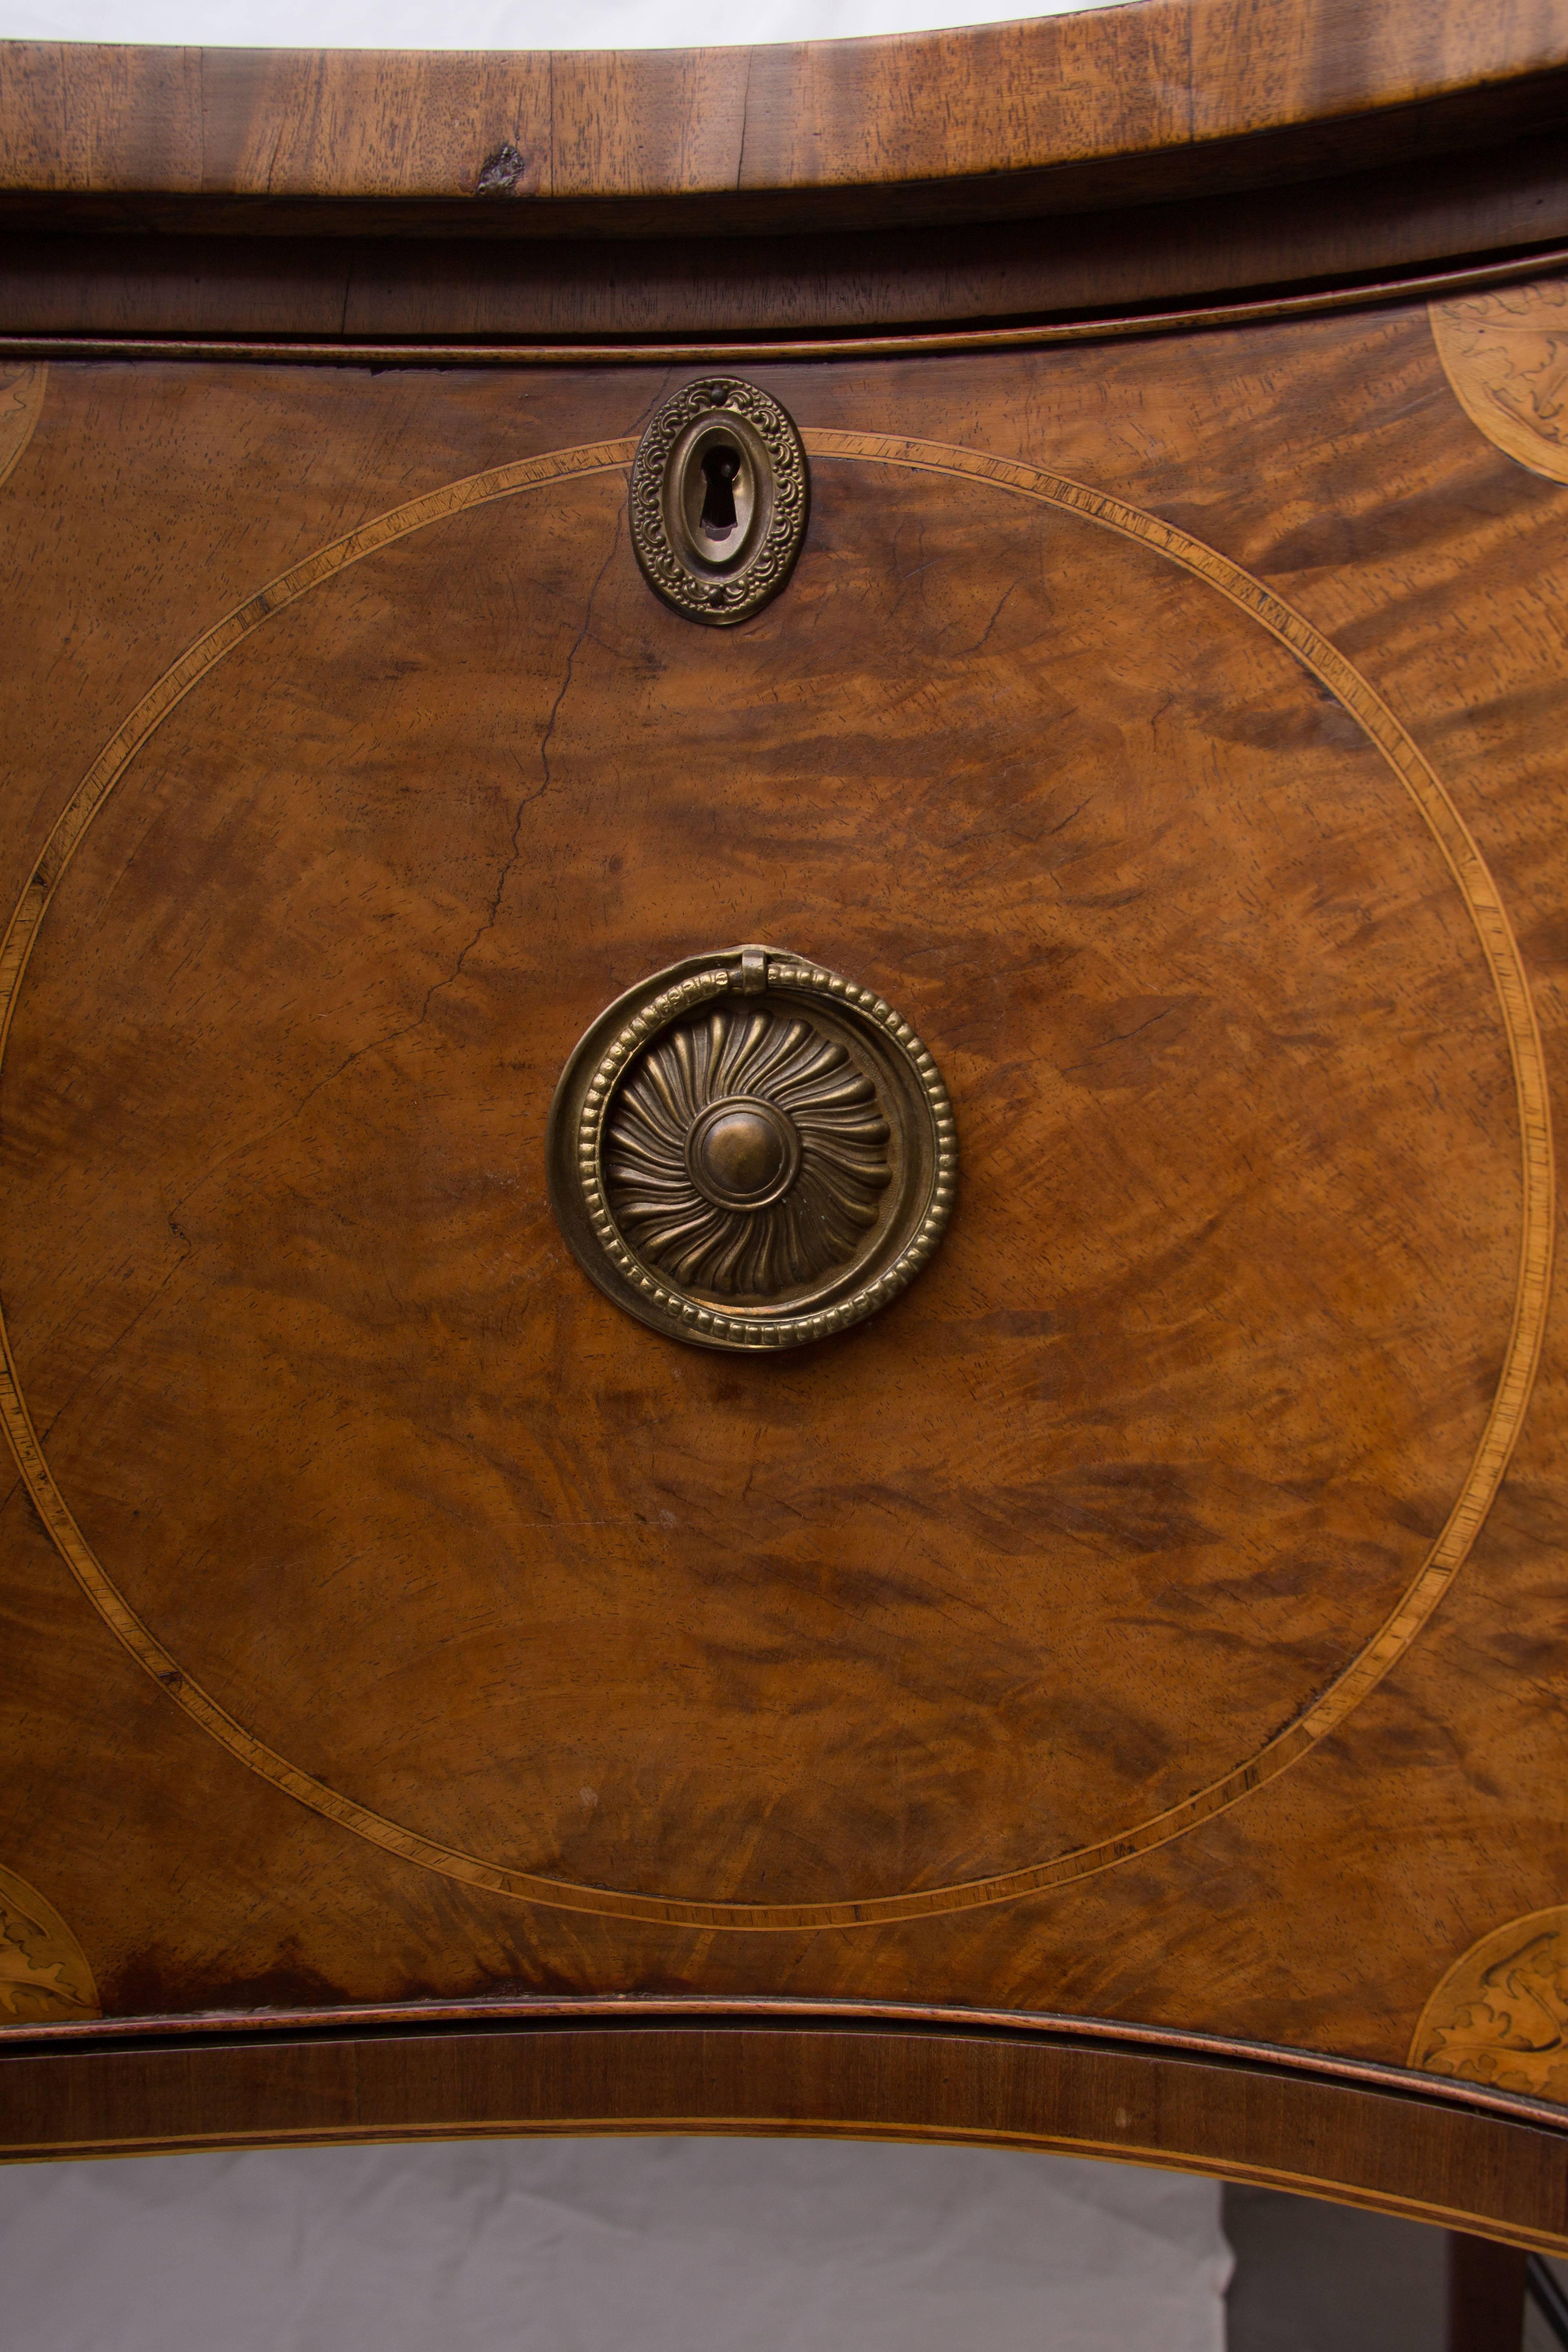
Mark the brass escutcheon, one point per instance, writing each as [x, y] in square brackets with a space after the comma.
[719, 499]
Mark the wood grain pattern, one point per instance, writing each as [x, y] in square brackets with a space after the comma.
[1322, 244]
[1485, 2294]
[21, 398]
[644, 352]
[1189, 155]
[1353, 1682]
[1410, 2156]
[1122, 1487]
[1165, 79]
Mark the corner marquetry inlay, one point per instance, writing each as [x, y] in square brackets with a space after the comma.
[21, 404]
[1500, 2014]
[1506, 356]
[45, 1978]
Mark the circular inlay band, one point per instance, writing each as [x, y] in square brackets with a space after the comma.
[1477, 1480]
[749, 1151]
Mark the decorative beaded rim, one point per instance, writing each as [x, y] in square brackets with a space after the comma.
[720, 600]
[752, 973]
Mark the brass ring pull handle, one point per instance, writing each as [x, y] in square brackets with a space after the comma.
[749, 1151]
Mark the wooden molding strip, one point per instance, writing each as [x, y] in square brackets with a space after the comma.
[608, 2010]
[932, 2074]
[1420, 287]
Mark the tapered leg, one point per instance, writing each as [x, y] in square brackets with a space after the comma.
[1485, 2294]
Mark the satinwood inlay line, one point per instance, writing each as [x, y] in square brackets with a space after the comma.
[1488, 915]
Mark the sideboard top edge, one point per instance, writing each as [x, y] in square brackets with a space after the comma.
[1145, 87]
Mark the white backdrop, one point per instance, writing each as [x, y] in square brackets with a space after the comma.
[581, 2245]
[491, 24]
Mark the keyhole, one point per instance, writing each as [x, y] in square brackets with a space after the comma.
[720, 467]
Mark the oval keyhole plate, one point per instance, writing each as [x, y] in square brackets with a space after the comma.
[720, 494]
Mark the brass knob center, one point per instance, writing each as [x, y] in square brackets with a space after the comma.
[743, 1153]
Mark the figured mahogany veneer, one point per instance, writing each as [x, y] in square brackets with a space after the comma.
[1165, 98]
[1152, 158]
[1110, 1699]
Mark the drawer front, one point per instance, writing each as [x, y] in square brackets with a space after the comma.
[1149, 1612]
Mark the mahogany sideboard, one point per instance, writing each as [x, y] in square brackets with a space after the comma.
[786, 891]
